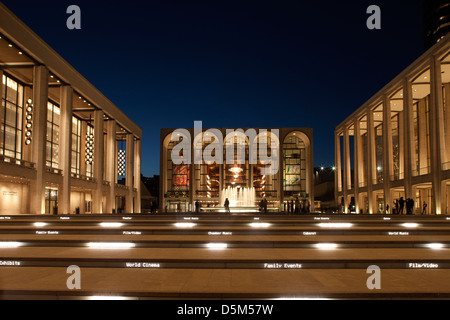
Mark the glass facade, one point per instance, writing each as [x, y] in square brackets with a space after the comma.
[207, 184]
[178, 177]
[294, 165]
[410, 140]
[76, 146]
[53, 135]
[11, 117]
[90, 157]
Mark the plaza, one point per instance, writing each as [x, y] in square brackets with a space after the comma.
[71, 224]
[224, 257]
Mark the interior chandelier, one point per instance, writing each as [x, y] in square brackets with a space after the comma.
[236, 170]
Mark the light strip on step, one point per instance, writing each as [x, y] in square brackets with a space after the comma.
[410, 225]
[217, 246]
[185, 225]
[326, 246]
[335, 225]
[435, 246]
[260, 225]
[111, 224]
[10, 244]
[39, 224]
[111, 245]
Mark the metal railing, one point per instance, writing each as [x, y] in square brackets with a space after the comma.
[421, 171]
[83, 177]
[121, 186]
[54, 170]
[17, 162]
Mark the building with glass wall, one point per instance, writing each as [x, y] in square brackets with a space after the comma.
[59, 136]
[398, 143]
[204, 183]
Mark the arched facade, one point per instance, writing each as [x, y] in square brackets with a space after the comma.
[277, 163]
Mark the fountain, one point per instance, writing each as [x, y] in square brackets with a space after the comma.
[241, 199]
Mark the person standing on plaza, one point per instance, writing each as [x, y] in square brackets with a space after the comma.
[227, 205]
[402, 205]
[424, 210]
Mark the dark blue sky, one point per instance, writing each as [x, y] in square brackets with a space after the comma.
[277, 63]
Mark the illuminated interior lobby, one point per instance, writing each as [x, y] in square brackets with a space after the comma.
[64, 147]
[208, 184]
[397, 145]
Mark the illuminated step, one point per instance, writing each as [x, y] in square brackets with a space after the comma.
[275, 264]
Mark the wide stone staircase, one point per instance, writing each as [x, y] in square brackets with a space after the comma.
[210, 256]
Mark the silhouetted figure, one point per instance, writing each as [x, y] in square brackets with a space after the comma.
[197, 206]
[401, 202]
[265, 203]
[409, 206]
[424, 210]
[227, 205]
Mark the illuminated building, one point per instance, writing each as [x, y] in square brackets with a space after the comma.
[398, 142]
[59, 136]
[205, 183]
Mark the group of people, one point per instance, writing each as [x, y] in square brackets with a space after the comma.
[400, 205]
[297, 206]
[262, 205]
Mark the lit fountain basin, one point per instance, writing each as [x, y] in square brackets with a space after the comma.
[241, 200]
[232, 209]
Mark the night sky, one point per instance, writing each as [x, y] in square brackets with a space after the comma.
[228, 63]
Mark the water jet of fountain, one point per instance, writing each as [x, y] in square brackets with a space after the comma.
[239, 197]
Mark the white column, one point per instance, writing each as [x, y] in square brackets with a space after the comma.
[410, 153]
[347, 169]
[111, 163]
[357, 161]
[65, 147]
[129, 173]
[371, 162]
[388, 160]
[279, 175]
[437, 137]
[98, 161]
[137, 175]
[40, 100]
[310, 173]
[337, 161]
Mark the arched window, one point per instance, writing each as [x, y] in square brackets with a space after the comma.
[178, 175]
[295, 164]
[206, 174]
[265, 185]
[236, 164]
